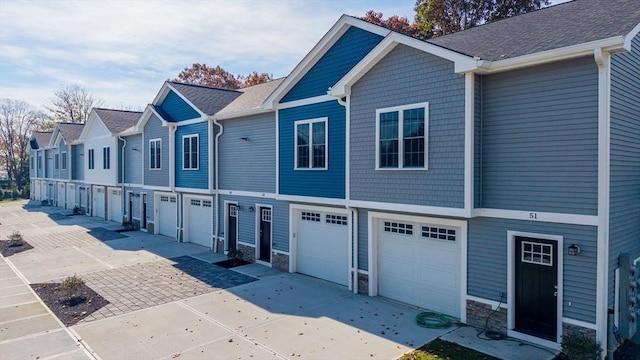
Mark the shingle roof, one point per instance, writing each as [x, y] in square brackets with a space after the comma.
[42, 137]
[252, 97]
[70, 131]
[206, 99]
[558, 26]
[118, 121]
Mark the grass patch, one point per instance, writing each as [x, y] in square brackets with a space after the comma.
[6, 201]
[444, 350]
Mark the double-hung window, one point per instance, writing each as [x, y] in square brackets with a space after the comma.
[91, 159]
[63, 161]
[402, 137]
[190, 152]
[155, 151]
[56, 161]
[106, 157]
[311, 144]
[39, 161]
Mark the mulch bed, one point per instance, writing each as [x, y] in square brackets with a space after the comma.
[231, 263]
[8, 249]
[69, 311]
[627, 351]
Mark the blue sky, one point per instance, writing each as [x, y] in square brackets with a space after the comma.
[124, 50]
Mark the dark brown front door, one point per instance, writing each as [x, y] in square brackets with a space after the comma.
[232, 227]
[536, 305]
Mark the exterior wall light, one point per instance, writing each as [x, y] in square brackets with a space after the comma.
[244, 138]
[574, 250]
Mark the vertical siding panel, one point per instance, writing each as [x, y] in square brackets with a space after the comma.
[196, 179]
[133, 160]
[624, 207]
[540, 138]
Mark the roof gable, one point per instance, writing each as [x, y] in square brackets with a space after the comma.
[177, 109]
[41, 139]
[207, 100]
[70, 131]
[316, 54]
[250, 101]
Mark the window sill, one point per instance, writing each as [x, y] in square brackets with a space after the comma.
[402, 169]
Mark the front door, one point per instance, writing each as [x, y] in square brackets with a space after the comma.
[232, 227]
[265, 234]
[536, 305]
[130, 208]
[143, 220]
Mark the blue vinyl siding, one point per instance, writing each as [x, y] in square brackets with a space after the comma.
[624, 207]
[77, 162]
[196, 179]
[363, 240]
[540, 138]
[319, 183]
[408, 76]
[55, 173]
[48, 156]
[153, 129]
[64, 173]
[247, 220]
[352, 46]
[248, 165]
[177, 108]
[487, 262]
[133, 160]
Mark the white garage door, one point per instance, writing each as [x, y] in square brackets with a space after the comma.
[199, 222]
[115, 205]
[419, 264]
[98, 202]
[71, 196]
[323, 245]
[61, 195]
[167, 213]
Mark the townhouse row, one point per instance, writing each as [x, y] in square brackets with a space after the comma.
[479, 171]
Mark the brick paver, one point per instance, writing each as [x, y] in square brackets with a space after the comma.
[140, 286]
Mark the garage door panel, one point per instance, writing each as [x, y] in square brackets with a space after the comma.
[418, 270]
[199, 228]
[168, 211]
[323, 246]
[115, 205]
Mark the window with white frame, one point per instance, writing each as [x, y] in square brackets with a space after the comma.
[91, 159]
[106, 158]
[31, 163]
[311, 144]
[39, 161]
[155, 151]
[63, 161]
[56, 161]
[401, 137]
[190, 152]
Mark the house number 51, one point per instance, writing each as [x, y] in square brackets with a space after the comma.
[533, 216]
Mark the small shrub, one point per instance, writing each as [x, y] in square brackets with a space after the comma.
[44, 202]
[581, 347]
[6, 195]
[14, 193]
[235, 254]
[71, 286]
[76, 210]
[15, 239]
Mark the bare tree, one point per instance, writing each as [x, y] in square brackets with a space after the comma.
[72, 103]
[17, 120]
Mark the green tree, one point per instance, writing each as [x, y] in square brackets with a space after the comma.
[440, 17]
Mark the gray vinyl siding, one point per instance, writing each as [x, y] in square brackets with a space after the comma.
[540, 138]
[247, 220]
[363, 240]
[408, 76]
[33, 165]
[477, 141]
[487, 261]
[48, 170]
[150, 206]
[153, 129]
[133, 160]
[64, 173]
[624, 206]
[248, 165]
[77, 160]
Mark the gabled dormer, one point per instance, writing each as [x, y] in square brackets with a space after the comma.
[311, 124]
[39, 143]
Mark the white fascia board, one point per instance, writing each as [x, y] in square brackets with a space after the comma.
[568, 52]
[630, 36]
[146, 115]
[202, 115]
[316, 53]
[462, 63]
[164, 90]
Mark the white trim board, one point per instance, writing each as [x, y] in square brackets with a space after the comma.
[560, 218]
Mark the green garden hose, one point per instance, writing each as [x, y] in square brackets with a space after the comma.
[432, 320]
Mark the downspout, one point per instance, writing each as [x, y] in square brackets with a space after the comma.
[123, 199]
[216, 146]
[354, 212]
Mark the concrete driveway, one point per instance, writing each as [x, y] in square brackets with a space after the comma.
[161, 308]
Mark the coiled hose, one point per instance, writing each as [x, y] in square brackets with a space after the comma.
[433, 320]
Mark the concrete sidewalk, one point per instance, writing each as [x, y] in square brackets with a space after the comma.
[28, 329]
